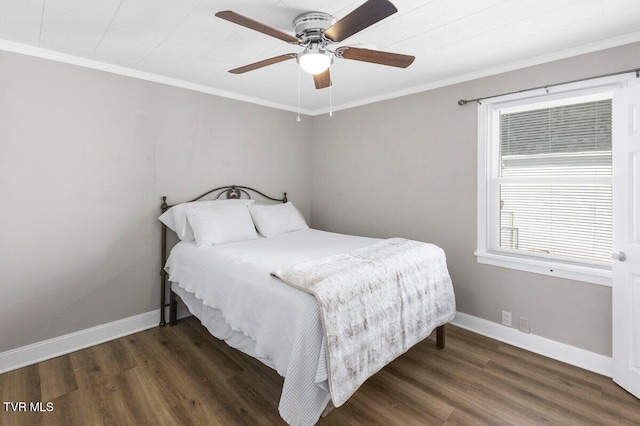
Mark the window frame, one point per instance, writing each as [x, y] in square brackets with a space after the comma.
[585, 271]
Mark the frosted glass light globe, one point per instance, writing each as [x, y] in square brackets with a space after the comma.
[315, 60]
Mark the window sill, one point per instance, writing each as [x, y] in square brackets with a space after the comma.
[554, 269]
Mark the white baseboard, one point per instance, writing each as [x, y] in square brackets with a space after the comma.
[582, 358]
[47, 349]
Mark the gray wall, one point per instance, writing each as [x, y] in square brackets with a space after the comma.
[86, 155]
[84, 158]
[407, 167]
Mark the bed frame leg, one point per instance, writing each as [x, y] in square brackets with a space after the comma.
[163, 290]
[163, 260]
[440, 337]
[173, 309]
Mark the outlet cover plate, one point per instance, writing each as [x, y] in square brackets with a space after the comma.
[506, 318]
[524, 325]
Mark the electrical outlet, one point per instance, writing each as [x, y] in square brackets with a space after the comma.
[506, 318]
[524, 325]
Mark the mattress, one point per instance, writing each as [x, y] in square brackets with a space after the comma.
[262, 316]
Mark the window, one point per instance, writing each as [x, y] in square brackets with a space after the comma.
[545, 184]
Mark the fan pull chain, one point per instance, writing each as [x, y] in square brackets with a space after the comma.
[298, 118]
[330, 92]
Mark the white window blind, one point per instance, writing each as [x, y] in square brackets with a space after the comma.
[550, 186]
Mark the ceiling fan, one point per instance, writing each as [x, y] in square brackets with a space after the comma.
[316, 31]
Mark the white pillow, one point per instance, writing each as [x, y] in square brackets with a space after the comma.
[276, 219]
[175, 218]
[221, 224]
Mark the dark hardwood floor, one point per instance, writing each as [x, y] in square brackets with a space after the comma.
[181, 375]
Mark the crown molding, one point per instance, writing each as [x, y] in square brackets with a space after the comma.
[38, 52]
[485, 72]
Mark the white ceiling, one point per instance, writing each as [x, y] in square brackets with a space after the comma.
[182, 41]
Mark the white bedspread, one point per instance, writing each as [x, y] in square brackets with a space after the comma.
[284, 322]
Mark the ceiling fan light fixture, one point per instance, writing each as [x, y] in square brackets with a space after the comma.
[314, 59]
[317, 33]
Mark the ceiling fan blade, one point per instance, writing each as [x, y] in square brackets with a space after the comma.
[375, 56]
[323, 79]
[256, 26]
[364, 16]
[263, 63]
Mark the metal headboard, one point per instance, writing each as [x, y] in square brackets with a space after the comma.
[225, 192]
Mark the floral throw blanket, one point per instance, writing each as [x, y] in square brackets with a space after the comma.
[376, 303]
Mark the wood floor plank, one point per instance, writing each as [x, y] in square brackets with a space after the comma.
[263, 377]
[143, 398]
[531, 386]
[183, 376]
[56, 377]
[183, 397]
[493, 391]
[351, 415]
[102, 404]
[207, 376]
[244, 361]
[580, 409]
[445, 386]
[264, 412]
[68, 410]
[206, 351]
[384, 389]
[256, 408]
[389, 410]
[196, 395]
[21, 385]
[94, 365]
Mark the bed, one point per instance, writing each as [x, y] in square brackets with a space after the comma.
[239, 292]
